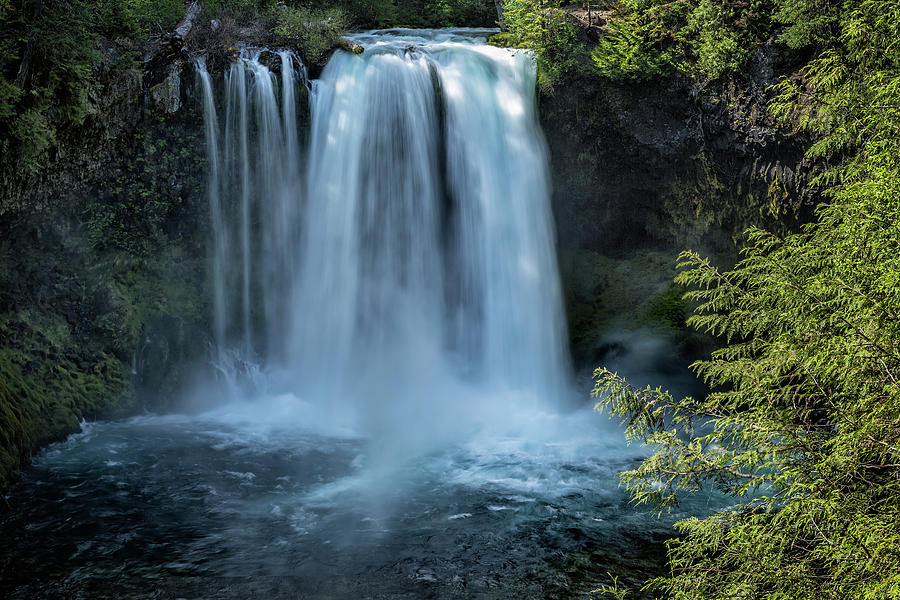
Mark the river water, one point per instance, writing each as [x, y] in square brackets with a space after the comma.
[226, 505]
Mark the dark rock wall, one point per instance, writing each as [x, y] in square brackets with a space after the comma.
[103, 309]
[642, 172]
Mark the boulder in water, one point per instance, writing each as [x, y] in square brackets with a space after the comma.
[350, 46]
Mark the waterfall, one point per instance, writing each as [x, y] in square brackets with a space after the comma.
[399, 265]
[219, 230]
[255, 194]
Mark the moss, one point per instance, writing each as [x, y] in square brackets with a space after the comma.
[56, 370]
[15, 419]
[605, 294]
[84, 286]
[503, 39]
[666, 311]
[48, 386]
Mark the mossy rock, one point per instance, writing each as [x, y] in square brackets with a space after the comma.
[667, 310]
[47, 387]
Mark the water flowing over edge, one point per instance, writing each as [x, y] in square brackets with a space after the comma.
[392, 264]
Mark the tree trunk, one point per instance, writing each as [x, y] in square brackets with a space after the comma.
[187, 23]
[25, 67]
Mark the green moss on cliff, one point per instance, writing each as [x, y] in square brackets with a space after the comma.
[666, 310]
[102, 273]
[48, 385]
[68, 344]
[610, 295]
[603, 293]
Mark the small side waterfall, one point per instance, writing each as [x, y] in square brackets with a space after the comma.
[401, 270]
[255, 195]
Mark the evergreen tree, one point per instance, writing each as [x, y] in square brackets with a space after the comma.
[543, 27]
[803, 427]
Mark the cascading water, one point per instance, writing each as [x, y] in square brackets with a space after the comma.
[255, 194]
[412, 275]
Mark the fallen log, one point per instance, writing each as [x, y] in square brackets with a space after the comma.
[187, 23]
[350, 46]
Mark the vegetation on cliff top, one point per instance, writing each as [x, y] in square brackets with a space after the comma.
[802, 427]
[640, 40]
[545, 28]
[50, 50]
[646, 39]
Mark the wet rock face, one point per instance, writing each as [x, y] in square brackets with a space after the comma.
[626, 158]
[103, 256]
[129, 96]
[166, 96]
[644, 171]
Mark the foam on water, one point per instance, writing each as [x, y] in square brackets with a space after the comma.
[217, 494]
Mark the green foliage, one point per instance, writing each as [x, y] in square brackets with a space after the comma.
[48, 51]
[132, 213]
[809, 22]
[614, 591]
[428, 13]
[479, 13]
[370, 13]
[667, 310]
[848, 94]
[48, 58]
[312, 32]
[44, 392]
[647, 39]
[725, 34]
[138, 18]
[804, 426]
[240, 10]
[542, 26]
[34, 133]
[644, 40]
